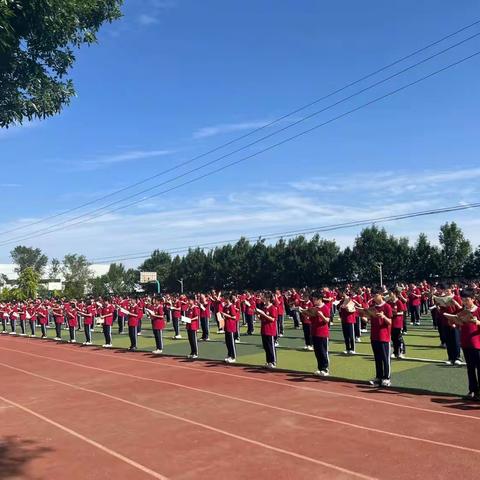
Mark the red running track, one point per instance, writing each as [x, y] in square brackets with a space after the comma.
[75, 412]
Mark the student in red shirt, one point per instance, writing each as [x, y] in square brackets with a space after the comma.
[193, 313]
[469, 321]
[380, 317]
[250, 307]
[268, 319]
[107, 312]
[71, 315]
[319, 315]
[306, 323]
[176, 309]
[42, 316]
[414, 302]
[450, 330]
[88, 314]
[132, 326]
[59, 319]
[348, 316]
[230, 316]
[158, 324]
[205, 314]
[398, 309]
[281, 311]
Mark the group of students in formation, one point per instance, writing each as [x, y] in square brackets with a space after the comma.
[455, 313]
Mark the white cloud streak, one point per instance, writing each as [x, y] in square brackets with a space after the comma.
[222, 129]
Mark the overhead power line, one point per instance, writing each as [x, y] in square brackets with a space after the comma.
[49, 230]
[293, 233]
[248, 134]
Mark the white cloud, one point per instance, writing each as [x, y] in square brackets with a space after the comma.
[214, 130]
[128, 156]
[145, 19]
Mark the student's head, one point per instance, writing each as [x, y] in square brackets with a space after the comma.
[468, 298]
[316, 297]
[377, 293]
[393, 293]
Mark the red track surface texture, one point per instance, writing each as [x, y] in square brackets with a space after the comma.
[76, 413]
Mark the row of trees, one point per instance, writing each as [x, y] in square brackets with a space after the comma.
[299, 262]
[244, 265]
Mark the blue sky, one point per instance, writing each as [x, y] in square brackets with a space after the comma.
[176, 78]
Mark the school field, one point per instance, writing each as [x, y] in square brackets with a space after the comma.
[423, 368]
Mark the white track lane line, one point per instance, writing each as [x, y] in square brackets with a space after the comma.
[255, 403]
[105, 449]
[197, 424]
[273, 382]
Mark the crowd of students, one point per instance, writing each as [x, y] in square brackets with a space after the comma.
[454, 311]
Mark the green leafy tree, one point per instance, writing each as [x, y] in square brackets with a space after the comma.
[455, 250]
[55, 269]
[77, 273]
[471, 268]
[38, 39]
[28, 283]
[25, 257]
[425, 259]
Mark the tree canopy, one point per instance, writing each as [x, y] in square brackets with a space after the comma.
[38, 39]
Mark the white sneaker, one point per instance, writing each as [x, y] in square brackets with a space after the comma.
[194, 356]
[352, 352]
[221, 331]
[57, 338]
[401, 355]
[271, 366]
[237, 340]
[107, 345]
[281, 335]
[177, 337]
[358, 340]
[72, 341]
[386, 383]
[346, 352]
[32, 336]
[317, 373]
[12, 333]
[84, 343]
[277, 344]
[392, 355]
[459, 362]
[227, 360]
[375, 382]
[88, 343]
[157, 351]
[310, 348]
[448, 362]
[305, 347]
[232, 360]
[23, 334]
[324, 373]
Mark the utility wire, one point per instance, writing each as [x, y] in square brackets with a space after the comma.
[252, 132]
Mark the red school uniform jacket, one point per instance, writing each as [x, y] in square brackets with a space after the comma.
[133, 317]
[398, 307]
[91, 312]
[107, 313]
[71, 316]
[42, 315]
[412, 299]
[192, 313]
[269, 328]
[158, 323]
[380, 330]
[231, 324]
[319, 326]
[470, 333]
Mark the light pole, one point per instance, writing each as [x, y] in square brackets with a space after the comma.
[181, 284]
[380, 268]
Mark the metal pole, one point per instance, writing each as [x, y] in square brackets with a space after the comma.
[158, 286]
[380, 265]
[181, 285]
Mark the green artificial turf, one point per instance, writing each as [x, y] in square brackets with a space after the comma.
[423, 369]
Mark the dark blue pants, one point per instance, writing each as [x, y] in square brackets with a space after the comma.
[381, 352]
[452, 339]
